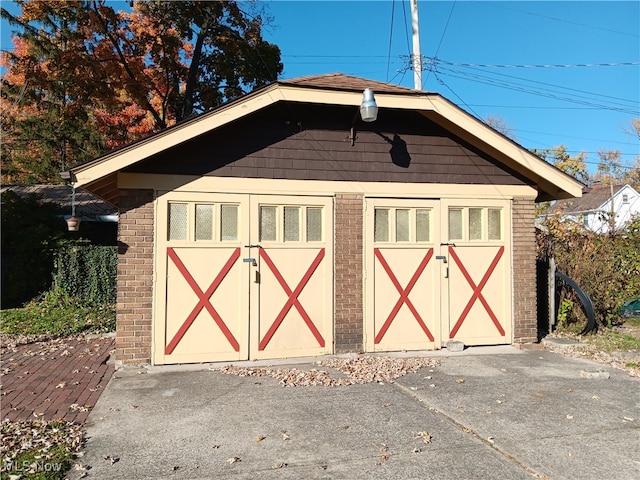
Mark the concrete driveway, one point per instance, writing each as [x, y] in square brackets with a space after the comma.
[485, 413]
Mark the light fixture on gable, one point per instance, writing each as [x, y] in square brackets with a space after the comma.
[368, 107]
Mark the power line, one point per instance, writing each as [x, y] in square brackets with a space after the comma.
[563, 20]
[442, 36]
[393, 8]
[544, 92]
[551, 65]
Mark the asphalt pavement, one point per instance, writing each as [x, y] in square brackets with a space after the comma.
[484, 413]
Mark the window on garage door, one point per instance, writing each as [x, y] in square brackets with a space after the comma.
[475, 224]
[291, 223]
[402, 225]
[203, 222]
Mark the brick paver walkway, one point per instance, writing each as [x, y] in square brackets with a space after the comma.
[58, 379]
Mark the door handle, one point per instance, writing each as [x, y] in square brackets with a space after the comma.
[442, 257]
[253, 246]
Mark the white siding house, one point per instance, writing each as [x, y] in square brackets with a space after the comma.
[594, 209]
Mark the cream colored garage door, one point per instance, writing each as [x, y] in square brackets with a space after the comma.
[436, 270]
[477, 245]
[242, 276]
[403, 285]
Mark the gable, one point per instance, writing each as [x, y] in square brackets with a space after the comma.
[314, 142]
[476, 142]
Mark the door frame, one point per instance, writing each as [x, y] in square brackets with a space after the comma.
[370, 204]
[506, 258]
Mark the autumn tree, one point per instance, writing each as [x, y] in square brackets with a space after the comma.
[84, 78]
[501, 125]
[573, 165]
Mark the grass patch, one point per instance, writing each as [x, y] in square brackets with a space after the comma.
[610, 341]
[56, 317]
[632, 321]
[39, 450]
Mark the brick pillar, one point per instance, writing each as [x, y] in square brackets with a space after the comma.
[349, 320]
[135, 278]
[525, 328]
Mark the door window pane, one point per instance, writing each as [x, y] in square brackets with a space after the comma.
[314, 224]
[455, 224]
[229, 222]
[381, 225]
[495, 224]
[204, 222]
[475, 224]
[402, 225]
[291, 224]
[422, 225]
[267, 224]
[177, 221]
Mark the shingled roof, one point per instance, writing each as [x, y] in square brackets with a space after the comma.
[593, 197]
[87, 204]
[340, 81]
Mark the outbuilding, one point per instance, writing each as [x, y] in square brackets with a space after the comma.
[283, 225]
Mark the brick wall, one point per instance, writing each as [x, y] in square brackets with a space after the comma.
[135, 278]
[348, 273]
[525, 329]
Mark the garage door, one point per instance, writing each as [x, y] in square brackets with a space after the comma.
[436, 270]
[242, 276]
[402, 275]
[476, 244]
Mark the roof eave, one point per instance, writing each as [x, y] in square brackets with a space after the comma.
[552, 183]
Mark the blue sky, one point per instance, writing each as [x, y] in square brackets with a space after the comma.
[586, 108]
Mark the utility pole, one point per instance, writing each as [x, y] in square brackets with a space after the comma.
[416, 57]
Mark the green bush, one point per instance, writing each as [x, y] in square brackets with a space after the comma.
[607, 267]
[86, 273]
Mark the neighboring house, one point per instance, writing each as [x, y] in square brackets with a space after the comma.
[98, 218]
[594, 209]
[283, 225]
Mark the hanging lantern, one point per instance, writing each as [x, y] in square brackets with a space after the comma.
[73, 223]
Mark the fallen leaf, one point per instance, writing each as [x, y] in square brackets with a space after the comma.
[260, 438]
[234, 460]
[384, 458]
[569, 417]
[569, 390]
[425, 436]
[628, 419]
[384, 447]
[285, 435]
[417, 450]
[460, 380]
[111, 459]
[215, 447]
[61, 385]
[596, 397]
[279, 465]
